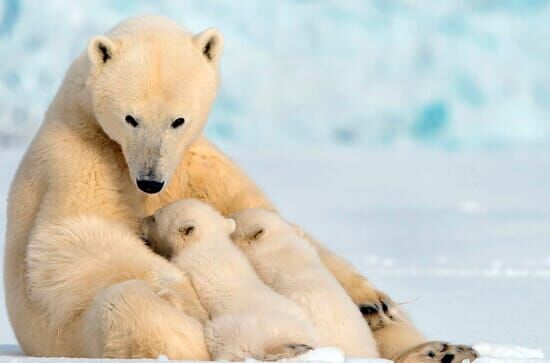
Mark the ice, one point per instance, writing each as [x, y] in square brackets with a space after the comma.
[446, 74]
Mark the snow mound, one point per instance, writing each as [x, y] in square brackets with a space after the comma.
[508, 351]
[325, 354]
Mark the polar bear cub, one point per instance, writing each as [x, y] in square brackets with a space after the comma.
[289, 264]
[248, 319]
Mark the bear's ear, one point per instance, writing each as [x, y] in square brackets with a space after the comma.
[298, 230]
[100, 50]
[230, 225]
[210, 43]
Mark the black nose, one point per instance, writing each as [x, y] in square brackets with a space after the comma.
[150, 186]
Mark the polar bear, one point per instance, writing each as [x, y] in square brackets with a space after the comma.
[248, 319]
[121, 138]
[88, 250]
[289, 264]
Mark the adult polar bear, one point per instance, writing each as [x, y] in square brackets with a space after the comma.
[122, 138]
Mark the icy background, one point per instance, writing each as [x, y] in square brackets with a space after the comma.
[411, 136]
[445, 74]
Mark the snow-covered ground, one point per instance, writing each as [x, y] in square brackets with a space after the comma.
[461, 239]
[410, 136]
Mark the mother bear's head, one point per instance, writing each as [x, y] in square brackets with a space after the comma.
[152, 86]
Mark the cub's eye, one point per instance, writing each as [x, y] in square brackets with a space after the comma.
[178, 122]
[187, 230]
[257, 234]
[132, 121]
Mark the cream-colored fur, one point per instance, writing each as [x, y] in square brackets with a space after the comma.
[85, 160]
[248, 319]
[289, 264]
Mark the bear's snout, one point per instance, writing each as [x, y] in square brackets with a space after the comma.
[149, 186]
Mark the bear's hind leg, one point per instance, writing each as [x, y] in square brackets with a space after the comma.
[128, 320]
[436, 352]
[88, 271]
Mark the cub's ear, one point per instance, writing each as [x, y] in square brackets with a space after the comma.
[100, 50]
[210, 43]
[188, 229]
[231, 225]
[298, 230]
[256, 233]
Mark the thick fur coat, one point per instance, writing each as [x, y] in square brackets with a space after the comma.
[111, 138]
[248, 319]
[289, 263]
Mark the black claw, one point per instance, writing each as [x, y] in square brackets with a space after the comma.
[444, 347]
[431, 354]
[368, 310]
[447, 358]
[384, 307]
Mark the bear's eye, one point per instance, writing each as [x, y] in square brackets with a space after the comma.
[132, 121]
[178, 122]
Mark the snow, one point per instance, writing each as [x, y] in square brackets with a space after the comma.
[510, 351]
[473, 278]
[445, 74]
[409, 136]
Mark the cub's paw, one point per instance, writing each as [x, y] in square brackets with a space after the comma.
[436, 352]
[286, 351]
[380, 311]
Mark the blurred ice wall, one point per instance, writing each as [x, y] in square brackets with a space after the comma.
[447, 74]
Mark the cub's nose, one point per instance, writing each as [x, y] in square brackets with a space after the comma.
[149, 186]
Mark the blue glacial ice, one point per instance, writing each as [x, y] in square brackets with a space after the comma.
[441, 74]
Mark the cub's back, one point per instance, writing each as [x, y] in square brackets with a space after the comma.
[227, 283]
[291, 266]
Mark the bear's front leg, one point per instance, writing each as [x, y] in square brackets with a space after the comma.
[436, 352]
[96, 275]
[129, 320]
[378, 309]
[395, 335]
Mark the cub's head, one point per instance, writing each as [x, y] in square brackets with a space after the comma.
[152, 86]
[184, 222]
[256, 225]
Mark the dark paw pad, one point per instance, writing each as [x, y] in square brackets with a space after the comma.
[380, 314]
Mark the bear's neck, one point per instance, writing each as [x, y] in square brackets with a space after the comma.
[72, 104]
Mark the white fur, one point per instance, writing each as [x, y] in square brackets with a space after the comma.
[160, 73]
[248, 319]
[290, 265]
[84, 162]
